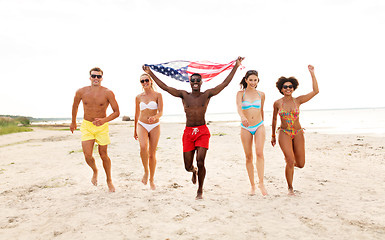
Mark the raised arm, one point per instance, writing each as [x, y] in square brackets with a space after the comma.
[162, 85]
[220, 87]
[307, 97]
[75, 107]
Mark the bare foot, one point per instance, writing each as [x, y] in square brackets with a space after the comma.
[291, 192]
[199, 196]
[145, 178]
[261, 187]
[152, 185]
[194, 176]
[111, 187]
[94, 178]
[252, 191]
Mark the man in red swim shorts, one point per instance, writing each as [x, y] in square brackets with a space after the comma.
[196, 135]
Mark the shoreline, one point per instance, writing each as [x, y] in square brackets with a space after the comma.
[235, 123]
[356, 121]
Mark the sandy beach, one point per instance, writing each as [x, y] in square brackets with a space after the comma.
[46, 193]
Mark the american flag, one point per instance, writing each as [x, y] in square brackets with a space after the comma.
[182, 70]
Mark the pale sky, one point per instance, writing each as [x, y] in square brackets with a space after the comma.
[48, 47]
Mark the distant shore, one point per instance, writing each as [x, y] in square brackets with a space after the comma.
[334, 121]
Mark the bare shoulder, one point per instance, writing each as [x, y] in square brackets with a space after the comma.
[240, 93]
[262, 93]
[105, 89]
[81, 91]
[138, 97]
[184, 93]
[158, 96]
[108, 91]
[277, 102]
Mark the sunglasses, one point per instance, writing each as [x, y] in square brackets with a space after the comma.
[144, 80]
[195, 80]
[287, 86]
[96, 76]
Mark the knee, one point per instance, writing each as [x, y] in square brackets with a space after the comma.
[201, 163]
[151, 157]
[103, 154]
[290, 162]
[88, 157]
[300, 165]
[189, 168]
[143, 149]
[249, 158]
[260, 156]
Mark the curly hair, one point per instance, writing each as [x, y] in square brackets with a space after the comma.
[96, 69]
[283, 80]
[243, 82]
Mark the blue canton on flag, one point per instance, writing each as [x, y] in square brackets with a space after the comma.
[175, 69]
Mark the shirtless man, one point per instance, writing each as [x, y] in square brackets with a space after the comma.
[196, 134]
[95, 123]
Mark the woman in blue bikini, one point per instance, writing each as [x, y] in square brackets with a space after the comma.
[148, 110]
[250, 103]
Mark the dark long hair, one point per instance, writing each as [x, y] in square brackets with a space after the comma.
[243, 82]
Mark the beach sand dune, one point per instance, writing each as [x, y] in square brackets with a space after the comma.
[46, 193]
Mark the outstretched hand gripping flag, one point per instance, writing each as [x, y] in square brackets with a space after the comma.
[181, 70]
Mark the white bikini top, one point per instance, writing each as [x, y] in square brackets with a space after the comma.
[150, 105]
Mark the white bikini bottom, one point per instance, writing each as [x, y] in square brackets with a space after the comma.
[147, 126]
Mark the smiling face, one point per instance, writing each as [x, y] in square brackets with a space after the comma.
[287, 88]
[96, 78]
[252, 81]
[145, 81]
[196, 82]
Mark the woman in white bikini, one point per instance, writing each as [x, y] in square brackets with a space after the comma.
[250, 103]
[148, 110]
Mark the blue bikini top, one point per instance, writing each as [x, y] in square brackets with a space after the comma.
[247, 104]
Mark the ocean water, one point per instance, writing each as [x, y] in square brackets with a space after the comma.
[335, 121]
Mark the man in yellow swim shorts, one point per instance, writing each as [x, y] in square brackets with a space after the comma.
[94, 127]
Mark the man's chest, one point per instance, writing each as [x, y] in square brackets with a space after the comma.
[195, 102]
[92, 99]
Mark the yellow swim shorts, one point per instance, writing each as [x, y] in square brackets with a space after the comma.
[99, 133]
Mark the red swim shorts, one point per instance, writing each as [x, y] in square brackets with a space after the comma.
[195, 137]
